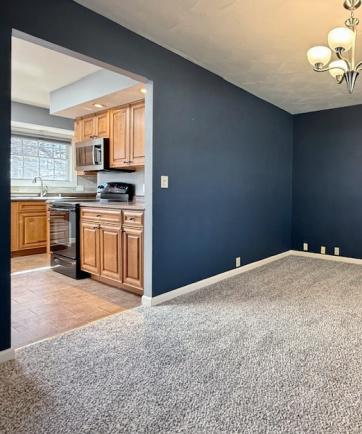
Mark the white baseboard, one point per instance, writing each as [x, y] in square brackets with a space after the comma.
[344, 259]
[153, 301]
[6, 355]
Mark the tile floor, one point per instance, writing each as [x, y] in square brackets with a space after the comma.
[23, 263]
[45, 303]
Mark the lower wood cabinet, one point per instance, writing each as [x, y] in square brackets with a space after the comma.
[28, 227]
[90, 260]
[110, 252]
[133, 256]
[113, 251]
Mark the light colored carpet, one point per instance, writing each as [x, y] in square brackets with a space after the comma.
[274, 350]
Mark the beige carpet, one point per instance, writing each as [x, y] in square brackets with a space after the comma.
[274, 350]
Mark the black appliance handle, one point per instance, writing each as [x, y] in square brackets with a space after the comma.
[62, 209]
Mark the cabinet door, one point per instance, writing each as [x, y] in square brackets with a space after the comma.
[33, 229]
[77, 130]
[102, 124]
[110, 252]
[119, 137]
[133, 257]
[137, 135]
[88, 128]
[89, 247]
[14, 227]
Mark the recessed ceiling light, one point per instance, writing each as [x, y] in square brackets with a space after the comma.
[98, 105]
[143, 90]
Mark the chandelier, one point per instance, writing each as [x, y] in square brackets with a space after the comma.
[342, 42]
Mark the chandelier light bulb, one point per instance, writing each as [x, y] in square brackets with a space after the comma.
[319, 55]
[340, 38]
[337, 68]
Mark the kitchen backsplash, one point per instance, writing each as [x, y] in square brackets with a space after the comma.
[137, 178]
[85, 184]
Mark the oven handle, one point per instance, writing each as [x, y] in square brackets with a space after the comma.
[62, 209]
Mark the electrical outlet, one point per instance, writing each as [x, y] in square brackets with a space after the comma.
[164, 181]
[237, 262]
[323, 250]
[336, 251]
[305, 247]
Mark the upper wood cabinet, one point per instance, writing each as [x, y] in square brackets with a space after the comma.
[119, 137]
[102, 124]
[78, 125]
[94, 125]
[137, 135]
[125, 128]
[88, 128]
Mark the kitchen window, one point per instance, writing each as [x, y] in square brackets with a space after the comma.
[35, 156]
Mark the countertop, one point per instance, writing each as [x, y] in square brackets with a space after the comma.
[137, 204]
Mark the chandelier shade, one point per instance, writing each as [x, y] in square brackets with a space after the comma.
[340, 38]
[319, 55]
[337, 68]
[339, 60]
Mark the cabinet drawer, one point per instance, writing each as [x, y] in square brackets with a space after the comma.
[133, 218]
[31, 206]
[101, 215]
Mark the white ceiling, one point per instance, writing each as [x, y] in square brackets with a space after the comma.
[259, 45]
[36, 71]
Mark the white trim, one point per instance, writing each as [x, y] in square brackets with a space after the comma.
[7, 355]
[153, 301]
[344, 259]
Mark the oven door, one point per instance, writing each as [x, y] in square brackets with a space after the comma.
[63, 231]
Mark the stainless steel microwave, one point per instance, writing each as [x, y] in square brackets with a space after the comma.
[92, 154]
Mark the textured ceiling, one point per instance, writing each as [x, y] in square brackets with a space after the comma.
[259, 45]
[36, 71]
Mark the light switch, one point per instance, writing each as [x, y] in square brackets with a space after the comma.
[164, 181]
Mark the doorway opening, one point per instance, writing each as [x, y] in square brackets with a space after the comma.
[81, 189]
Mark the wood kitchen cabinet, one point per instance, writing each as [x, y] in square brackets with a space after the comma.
[119, 138]
[125, 128]
[88, 127]
[28, 227]
[112, 246]
[89, 245]
[94, 125]
[137, 134]
[133, 257]
[110, 252]
[101, 121]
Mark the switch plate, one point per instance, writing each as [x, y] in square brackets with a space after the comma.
[164, 181]
[237, 262]
[323, 250]
[305, 247]
[336, 251]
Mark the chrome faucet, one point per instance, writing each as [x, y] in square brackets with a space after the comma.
[43, 186]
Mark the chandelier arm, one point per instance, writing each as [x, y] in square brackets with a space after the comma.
[358, 66]
[327, 68]
[340, 57]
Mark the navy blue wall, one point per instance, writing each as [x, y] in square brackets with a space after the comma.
[327, 181]
[228, 154]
